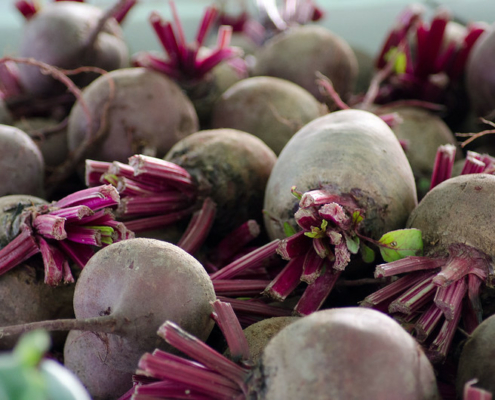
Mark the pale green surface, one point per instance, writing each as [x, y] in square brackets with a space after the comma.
[363, 23]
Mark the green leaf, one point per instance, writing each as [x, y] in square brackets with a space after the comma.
[400, 62]
[288, 229]
[401, 243]
[295, 193]
[31, 347]
[367, 253]
[352, 243]
[357, 217]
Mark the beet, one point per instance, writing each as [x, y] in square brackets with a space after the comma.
[280, 108]
[22, 167]
[147, 113]
[299, 52]
[60, 34]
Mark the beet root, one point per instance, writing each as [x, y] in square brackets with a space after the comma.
[146, 114]
[280, 108]
[22, 167]
[347, 353]
[144, 282]
[476, 361]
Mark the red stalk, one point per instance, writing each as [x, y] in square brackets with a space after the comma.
[472, 165]
[201, 352]
[312, 267]
[239, 287]
[26, 8]
[250, 260]
[474, 285]
[209, 16]
[287, 279]
[255, 307]
[50, 226]
[234, 242]
[165, 390]
[322, 249]
[130, 187]
[94, 170]
[224, 316]
[316, 293]
[414, 298]
[474, 393]
[162, 203]
[449, 298]
[124, 10]
[71, 214]
[199, 227]
[77, 252]
[394, 288]
[437, 351]
[157, 222]
[22, 247]
[56, 265]
[444, 162]
[408, 264]
[427, 322]
[293, 246]
[86, 236]
[94, 197]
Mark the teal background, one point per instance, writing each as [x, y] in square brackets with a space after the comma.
[363, 23]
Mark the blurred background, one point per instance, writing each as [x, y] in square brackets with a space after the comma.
[363, 23]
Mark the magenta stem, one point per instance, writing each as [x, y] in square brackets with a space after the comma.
[71, 214]
[50, 226]
[77, 252]
[199, 351]
[239, 287]
[209, 16]
[294, 245]
[474, 286]
[316, 293]
[22, 247]
[250, 260]
[449, 298]
[26, 8]
[124, 10]
[444, 162]
[414, 298]
[394, 288]
[199, 227]
[472, 164]
[9, 79]
[427, 322]
[55, 264]
[473, 393]
[408, 264]
[163, 203]
[94, 170]
[224, 316]
[253, 307]
[94, 197]
[287, 279]
[312, 266]
[130, 187]
[164, 390]
[234, 242]
[157, 222]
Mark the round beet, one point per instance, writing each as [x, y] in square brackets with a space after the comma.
[299, 52]
[476, 361]
[60, 34]
[270, 108]
[22, 167]
[480, 81]
[346, 353]
[147, 113]
[142, 283]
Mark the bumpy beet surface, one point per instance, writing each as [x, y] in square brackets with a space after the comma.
[459, 210]
[476, 361]
[260, 333]
[53, 147]
[349, 152]
[22, 167]
[345, 354]
[58, 35]
[235, 167]
[147, 282]
[480, 80]
[147, 114]
[270, 108]
[297, 53]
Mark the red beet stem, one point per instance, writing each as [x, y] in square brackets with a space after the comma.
[9, 79]
[474, 286]
[444, 162]
[94, 170]
[312, 266]
[255, 307]
[22, 247]
[394, 288]
[199, 227]
[124, 10]
[26, 8]
[161, 203]
[472, 164]
[55, 263]
[239, 287]
[79, 253]
[72, 214]
[159, 221]
[224, 316]
[316, 293]
[209, 16]
[250, 260]
[94, 197]
[287, 279]
[414, 298]
[408, 264]
[50, 226]
[293, 246]
[235, 241]
[473, 393]
[449, 298]
[427, 322]
[199, 351]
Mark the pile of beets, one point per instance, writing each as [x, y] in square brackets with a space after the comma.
[259, 212]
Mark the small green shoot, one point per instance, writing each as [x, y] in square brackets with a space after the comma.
[352, 243]
[318, 233]
[367, 253]
[289, 229]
